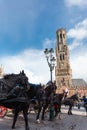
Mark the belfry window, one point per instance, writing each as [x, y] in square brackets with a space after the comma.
[63, 36]
[63, 57]
[60, 56]
[60, 37]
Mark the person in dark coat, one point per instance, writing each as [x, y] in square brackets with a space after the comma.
[85, 103]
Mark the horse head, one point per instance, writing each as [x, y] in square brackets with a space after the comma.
[53, 87]
[23, 80]
[75, 97]
[50, 88]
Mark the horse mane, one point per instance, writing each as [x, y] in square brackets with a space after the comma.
[8, 76]
[47, 87]
[73, 96]
[60, 95]
[34, 87]
[48, 90]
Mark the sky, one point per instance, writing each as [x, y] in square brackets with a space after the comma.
[27, 27]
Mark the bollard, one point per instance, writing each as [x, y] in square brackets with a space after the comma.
[51, 117]
[78, 105]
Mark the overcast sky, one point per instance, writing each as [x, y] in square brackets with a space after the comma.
[27, 27]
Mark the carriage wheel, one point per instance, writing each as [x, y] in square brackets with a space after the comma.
[3, 111]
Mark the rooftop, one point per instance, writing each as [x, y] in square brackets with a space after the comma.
[79, 83]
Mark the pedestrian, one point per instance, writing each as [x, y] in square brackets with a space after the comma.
[85, 103]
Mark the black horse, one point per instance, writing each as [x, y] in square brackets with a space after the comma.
[57, 102]
[36, 95]
[14, 88]
[69, 101]
[44, 97]
[50, 91]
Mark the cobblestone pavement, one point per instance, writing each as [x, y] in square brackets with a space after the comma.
[77, 121]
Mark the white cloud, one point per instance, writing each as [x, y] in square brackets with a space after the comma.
[36, 68]
[80, 31]
[78, 34]
[75, 44]
[49, 43]
[78, 3]
[32, 61]
[79, 66]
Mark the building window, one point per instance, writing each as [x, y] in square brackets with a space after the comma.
[63, 35]
[58, 47]
[60, 37]
[63, 57]
[60, 56]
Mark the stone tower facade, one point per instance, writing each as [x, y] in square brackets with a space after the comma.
[1, 72]
[63, 72]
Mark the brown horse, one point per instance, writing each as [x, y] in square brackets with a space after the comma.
[46, 99]
[69, 101]
[57, 102]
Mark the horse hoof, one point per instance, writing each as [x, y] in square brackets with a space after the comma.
[38, 121]
[59, 117]
[56, 117]
[13, 129]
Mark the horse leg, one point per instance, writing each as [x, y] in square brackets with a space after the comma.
[39, 110]
[70, 110]
[43, 112]
[15, 118]
[57, 112]
[26, 119]
[60, 108]
[56, 109]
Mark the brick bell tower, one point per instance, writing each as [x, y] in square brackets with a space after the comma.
[63, 72]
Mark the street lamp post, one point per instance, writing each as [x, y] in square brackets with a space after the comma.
[50, 60]
[51, 63]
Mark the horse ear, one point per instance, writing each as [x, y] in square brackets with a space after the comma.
[20, 72]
